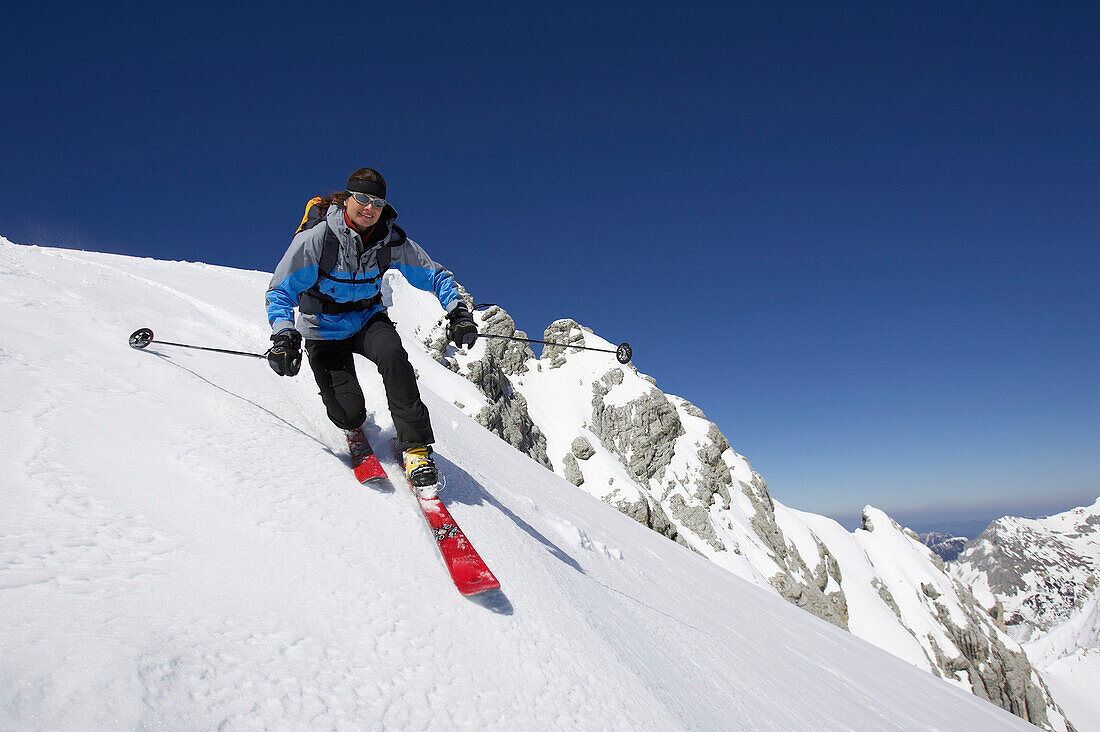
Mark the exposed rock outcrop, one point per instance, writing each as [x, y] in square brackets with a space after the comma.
[582, 449]
[572, 470]
[687, 483]
[641, 433]
[506, 414]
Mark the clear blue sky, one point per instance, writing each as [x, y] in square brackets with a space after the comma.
[862, 237]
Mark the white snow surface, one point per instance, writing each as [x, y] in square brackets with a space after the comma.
[1073, 680]
[1069, 658]
[182, 545]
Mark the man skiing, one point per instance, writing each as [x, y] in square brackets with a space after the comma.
[332, 272]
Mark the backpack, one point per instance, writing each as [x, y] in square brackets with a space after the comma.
[313, 301]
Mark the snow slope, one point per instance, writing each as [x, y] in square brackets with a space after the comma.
[182, 545]
[1074, 680]
[1069, 658]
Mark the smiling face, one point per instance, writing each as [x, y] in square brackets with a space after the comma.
[362, 215]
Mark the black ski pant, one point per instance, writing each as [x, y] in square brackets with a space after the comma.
[334, 371]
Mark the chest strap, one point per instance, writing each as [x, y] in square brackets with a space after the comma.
[313, 301]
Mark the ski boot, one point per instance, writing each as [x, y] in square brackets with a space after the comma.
[421, 471]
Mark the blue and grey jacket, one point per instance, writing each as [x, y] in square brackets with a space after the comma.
[354, 277]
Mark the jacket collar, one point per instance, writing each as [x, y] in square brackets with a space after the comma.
[348, 235]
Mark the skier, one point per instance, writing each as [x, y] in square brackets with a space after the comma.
[332, 272]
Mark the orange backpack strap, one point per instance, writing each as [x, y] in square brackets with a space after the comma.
[313, 214]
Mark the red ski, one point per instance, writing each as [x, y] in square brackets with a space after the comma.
[363, 460]
[468, 570]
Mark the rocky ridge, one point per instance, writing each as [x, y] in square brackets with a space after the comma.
[609, 430]
[1040, 572]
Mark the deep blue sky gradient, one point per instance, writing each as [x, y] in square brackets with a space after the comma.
[862, 237]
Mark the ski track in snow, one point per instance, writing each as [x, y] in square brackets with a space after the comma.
[182, 545]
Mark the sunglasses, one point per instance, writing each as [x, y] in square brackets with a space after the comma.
[366, 198]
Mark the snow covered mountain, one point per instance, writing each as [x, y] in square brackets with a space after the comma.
[1041, 577]
[946, 546]
[608, 429]
[1043, 571]
[182, 544]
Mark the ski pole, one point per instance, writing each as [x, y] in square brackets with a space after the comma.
[142, 337]
[622, 353]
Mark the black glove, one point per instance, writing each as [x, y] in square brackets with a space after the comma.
[285, 354]
[462, 330]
